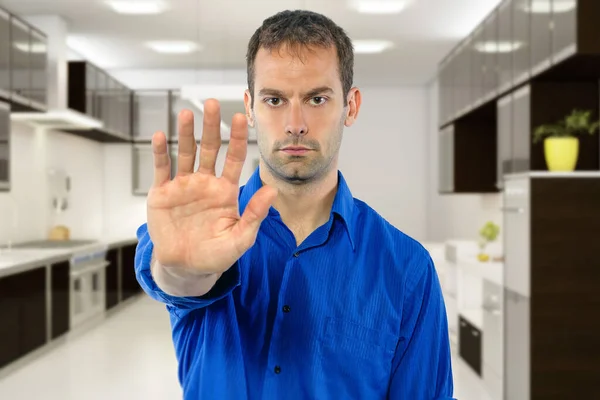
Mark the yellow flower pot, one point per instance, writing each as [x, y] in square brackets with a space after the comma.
[561, 153]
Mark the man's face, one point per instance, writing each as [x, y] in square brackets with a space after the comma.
[299, 112]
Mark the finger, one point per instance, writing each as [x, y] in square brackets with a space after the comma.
[186, 156]
[162, 161]
[255, 212]
[211, 137]
[237, 149]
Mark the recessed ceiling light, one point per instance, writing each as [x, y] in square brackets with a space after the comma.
[138, 6]
[497, 47]
[549, 6]
[173, 47]
[379, 6]
[371, 46]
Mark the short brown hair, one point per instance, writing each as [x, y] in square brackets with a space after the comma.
[301, 28]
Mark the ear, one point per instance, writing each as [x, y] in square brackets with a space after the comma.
[354, 101]
[248, 106]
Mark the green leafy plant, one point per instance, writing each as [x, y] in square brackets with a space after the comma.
[575, 124]
[489, 232]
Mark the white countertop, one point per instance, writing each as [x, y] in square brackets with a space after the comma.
[18, 260]
[490, 271]
[550, 174]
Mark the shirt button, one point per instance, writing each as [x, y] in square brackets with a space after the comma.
[296, 254]
[286, 309]
[277, 369]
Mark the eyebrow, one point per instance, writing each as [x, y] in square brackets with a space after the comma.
[310, 93]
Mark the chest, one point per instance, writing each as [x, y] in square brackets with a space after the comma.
[316, 291]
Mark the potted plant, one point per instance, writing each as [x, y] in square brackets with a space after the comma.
[488, 234]
[561, 142]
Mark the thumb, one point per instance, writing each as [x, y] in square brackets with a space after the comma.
[254, 214]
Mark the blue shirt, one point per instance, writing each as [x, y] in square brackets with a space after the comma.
[354, 312]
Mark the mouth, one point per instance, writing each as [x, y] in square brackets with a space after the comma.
[295, 150]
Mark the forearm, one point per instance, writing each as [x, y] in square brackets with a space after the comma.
[177, 282]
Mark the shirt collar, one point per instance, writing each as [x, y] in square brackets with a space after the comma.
[343, 203]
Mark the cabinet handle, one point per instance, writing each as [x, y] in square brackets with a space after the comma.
[475, 333]
[517, 210]
[463, 324]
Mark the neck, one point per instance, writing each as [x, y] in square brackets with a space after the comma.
[303, 208]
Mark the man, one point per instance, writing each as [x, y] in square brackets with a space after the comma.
[310, 294]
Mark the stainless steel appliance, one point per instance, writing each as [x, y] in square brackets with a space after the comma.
[88, 280]
[4, 146]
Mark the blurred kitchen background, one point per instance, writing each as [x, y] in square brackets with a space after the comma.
[454, 92]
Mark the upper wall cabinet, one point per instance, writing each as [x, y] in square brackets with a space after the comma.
[564, 30]
[541, 36]
[93, 92]
[518, 42]
[504, 58]
[4, 55]
[150, 114]
[490, 49]
[27, 56]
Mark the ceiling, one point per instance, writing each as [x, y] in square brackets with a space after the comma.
[423, 33]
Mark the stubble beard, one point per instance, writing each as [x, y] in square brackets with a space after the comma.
[299, 170]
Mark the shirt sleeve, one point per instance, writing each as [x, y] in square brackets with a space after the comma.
[422, 367]
[222, 288]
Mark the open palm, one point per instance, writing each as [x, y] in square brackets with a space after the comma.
[193, 219]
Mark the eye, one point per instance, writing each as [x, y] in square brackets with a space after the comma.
[318, 100]
[273, 101]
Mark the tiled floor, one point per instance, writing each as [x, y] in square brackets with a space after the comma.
[130, 356]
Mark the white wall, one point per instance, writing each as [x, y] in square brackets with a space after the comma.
[33, 152]
[453, 216]
[383, 156]
[22, 213]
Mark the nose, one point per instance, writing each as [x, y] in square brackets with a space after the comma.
[296, 125]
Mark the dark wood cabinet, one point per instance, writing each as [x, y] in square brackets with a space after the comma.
[467, 154]
[33, 315]
[61, 298]
[469, 343]
[23, 314]
[129, 283]
[112, 278]
[10, 316]
[551, 279]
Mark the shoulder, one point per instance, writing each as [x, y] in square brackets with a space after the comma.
[376, 235]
